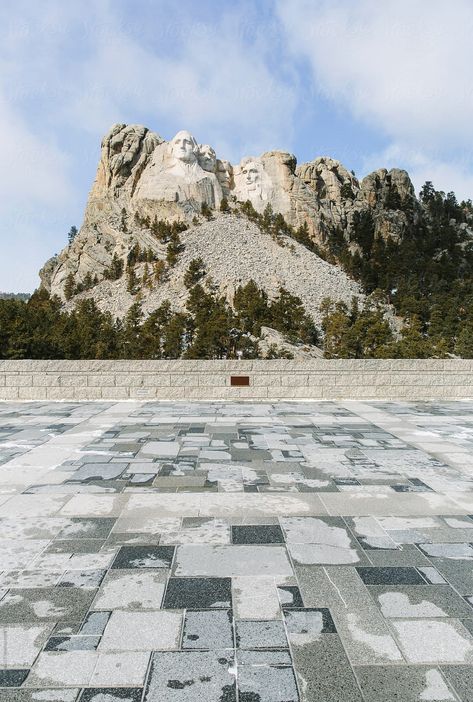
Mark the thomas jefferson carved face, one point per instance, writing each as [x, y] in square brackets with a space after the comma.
[207, 158]
[251, 175]
[225, 173]
[184, 147]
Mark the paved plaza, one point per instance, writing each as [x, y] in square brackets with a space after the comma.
[233, 552]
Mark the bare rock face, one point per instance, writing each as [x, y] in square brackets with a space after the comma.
[328, 179]
[125, 152]
[141, 177]
[272, 339]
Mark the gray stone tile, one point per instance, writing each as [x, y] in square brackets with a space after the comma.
[418, 601]
[455, 551]
[112, 694]
[45, 604]
[136, 557]
[127, 669]
[208, 630]
[433, 641]
[323, 671]
[362, 628]
[137, 589]
[458, 573]
[256, 597]
[406, 683]
[228, 561]
[197, 473]
[63, 669]
[406, 555]
[21, 643]
[266, 683]
[461, 679]
[142, 631]
[86, 579]
[196, 593]
[264, 657]
[192, 676]
[72, 643]
[260, 634]
[40, 695]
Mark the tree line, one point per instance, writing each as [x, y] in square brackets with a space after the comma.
[208, 328]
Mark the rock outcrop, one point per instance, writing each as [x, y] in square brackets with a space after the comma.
[141, 178]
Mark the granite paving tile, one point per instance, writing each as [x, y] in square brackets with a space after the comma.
[40, 694]
[120, 669]
[409, 684]
[257, 634]
[192, 676]
[460, 678]
[228, 561]
[160, 551]
[404, 601]
[256, 597]
[21, 643]
[145, 631]
[45, 604]
[193, 593]
[266, 683]
[208, 630]
[433, 640]
[111, 694]
[12, 677]
[324, 672]
[123, 589]
[144, 557]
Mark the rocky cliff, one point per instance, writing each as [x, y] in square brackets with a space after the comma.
[143, 180]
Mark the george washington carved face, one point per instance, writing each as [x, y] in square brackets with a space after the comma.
[184, 147]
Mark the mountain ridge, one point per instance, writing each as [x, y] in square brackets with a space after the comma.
[157, 208]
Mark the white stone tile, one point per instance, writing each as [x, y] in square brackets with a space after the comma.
[142, 631]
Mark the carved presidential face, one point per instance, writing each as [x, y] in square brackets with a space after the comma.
[207, 158]
[184, 147]
[225, 173]
[251, 175]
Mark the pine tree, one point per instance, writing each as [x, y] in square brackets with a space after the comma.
[159, 271]
[70, 286]
[146, 280]
[116, 268]
[131, 337]
[72, 234]
[251, 307]
[194, 273]
[173, 250]
[464, 342]
[131, 281]
[206, 211]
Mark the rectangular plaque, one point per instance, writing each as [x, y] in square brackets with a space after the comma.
[239, 380]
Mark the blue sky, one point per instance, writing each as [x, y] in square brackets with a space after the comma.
[373, 84]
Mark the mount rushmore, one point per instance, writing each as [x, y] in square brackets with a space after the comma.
[142, 178]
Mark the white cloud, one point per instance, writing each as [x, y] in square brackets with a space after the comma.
[216, 82]
[400, 66]
[68, 72]
[32, 169]
[453, 175]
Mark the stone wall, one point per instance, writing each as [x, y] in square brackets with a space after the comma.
[210, 380]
